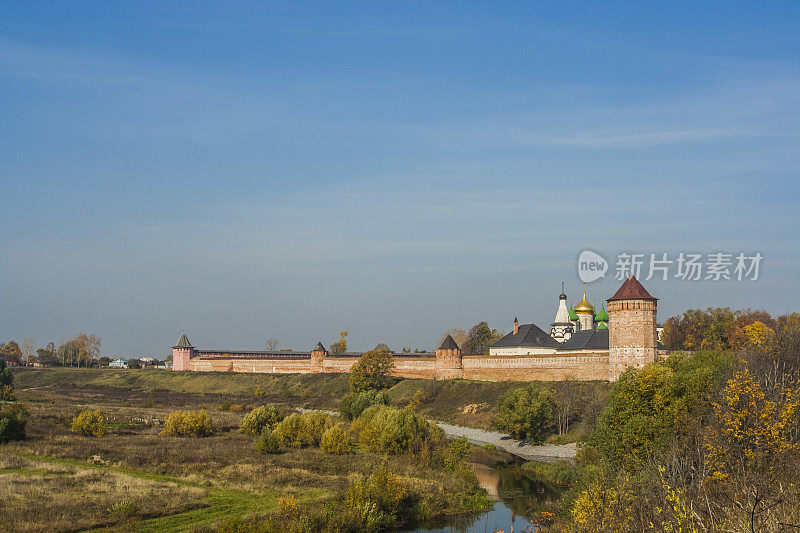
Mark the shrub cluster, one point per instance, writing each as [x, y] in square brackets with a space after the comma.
[6, 383]
[268, 444]
[380, 501]
[12, 422]
[336, 440]
[260, 419]
[526, 412]
[7, 393]
[90, 423]
[300, 430]
[188, 424]
[354, 403]
[395, 431]
[456, 454]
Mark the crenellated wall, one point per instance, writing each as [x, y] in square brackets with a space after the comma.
[265, 366]
[579, 365]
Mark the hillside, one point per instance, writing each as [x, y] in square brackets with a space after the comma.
[462, 402]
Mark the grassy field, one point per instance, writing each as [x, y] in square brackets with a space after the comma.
[461, 402]
[134, 479]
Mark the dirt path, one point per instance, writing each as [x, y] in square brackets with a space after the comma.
[546, 453]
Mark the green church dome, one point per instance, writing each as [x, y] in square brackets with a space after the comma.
[572, 315]
[602, 316]
[602, 325]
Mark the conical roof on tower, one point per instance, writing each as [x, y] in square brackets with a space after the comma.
[562, 315]
[449, 344]
[319, 347]
[183, 342]
[632, 289]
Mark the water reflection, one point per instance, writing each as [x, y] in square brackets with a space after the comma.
[519, 496]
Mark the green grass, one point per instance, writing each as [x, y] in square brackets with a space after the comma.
[561, 473]
[220, 503]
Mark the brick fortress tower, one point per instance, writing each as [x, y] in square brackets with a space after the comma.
[318, 355]
[448, 360]
[181, 353]
[632, 328]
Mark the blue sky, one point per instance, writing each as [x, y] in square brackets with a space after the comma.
[247, 170]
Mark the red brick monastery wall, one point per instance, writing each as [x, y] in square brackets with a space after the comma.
[581, 366]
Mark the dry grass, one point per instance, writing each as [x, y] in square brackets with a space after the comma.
[39, 495]
[236, 479]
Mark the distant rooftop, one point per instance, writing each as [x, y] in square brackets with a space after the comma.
[587, 339]
[529, 335]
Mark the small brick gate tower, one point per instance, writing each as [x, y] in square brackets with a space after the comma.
[632, 337]
[182, 353]
[448, 360]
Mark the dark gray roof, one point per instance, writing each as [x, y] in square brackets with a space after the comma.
[183, 342]
[319, 347]
[529, 335]
[587, 339]
[448, 344]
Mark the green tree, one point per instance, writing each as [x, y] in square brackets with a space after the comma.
[698, 329]
[48, 356]
[371, 371]
[382, 428]
[340, 347]
[260, 419]
[479, 339]
[80, 350]
[13, 418]
[11, 353]
[6, 383]
[651, 407]
[526, 412]
[353, 404]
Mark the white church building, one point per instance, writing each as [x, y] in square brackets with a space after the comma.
[573, 329]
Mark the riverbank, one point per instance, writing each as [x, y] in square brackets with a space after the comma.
[545, 453]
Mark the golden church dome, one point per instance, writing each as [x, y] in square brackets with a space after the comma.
[584, 306]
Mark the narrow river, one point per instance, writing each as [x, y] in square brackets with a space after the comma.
[519, 498]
